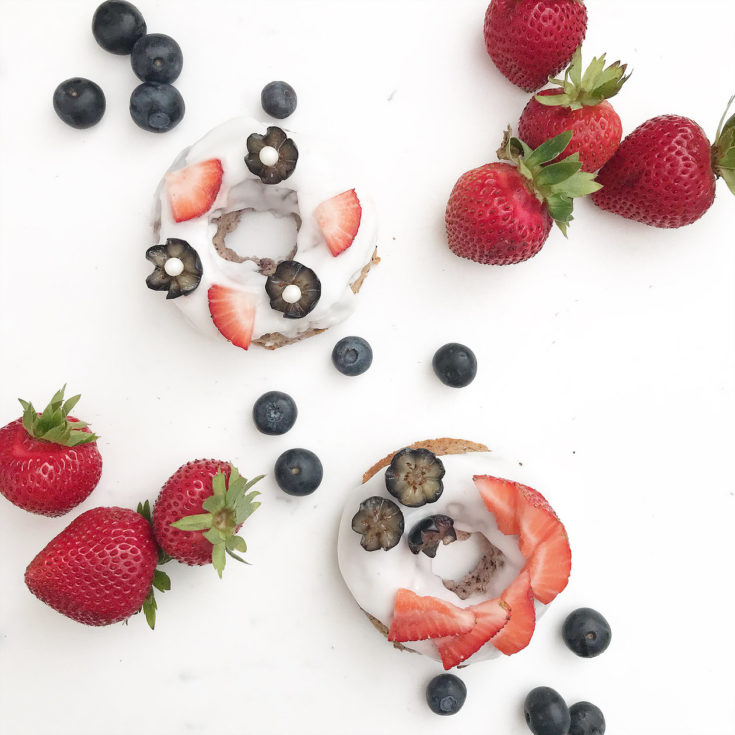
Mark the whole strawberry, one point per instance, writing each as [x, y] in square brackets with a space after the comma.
[579, 104]
[100, 569]
[664, 173]
[199, 511]
[501, 213]
[49, 462]
[531, 40]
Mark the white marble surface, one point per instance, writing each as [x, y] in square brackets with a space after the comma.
[607, 367]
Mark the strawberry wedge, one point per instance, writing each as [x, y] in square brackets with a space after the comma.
[339, 220]
[501, 498]
[416, 618]
[233, 313]
[536, 520]
[490, 618]
[550, 566]
[192, 190]
[517, 633]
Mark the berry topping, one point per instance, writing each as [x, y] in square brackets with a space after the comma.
[233, 313]
[156, 107]
[117, 25]
[274, 413]
[278, 99]
[427, 534]
[446, 694]
[380, 522]
[417, 618]
[586, 719]
[284, 298]
[79, 102]
[414, 476]
[586, 632]
[339, 220]
[157, 58]
[546, 712]
[352, 356]
[284, 165]
[298, 472]
[455, 365]
[501, 498]
[550, 565]
[517, 634]
[192, 190]
[178, 269]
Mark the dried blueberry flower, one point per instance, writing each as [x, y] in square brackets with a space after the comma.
[293, 289]
[415, 477]
[380, 523]
[272, 157]
[178, 268]
[427, 534]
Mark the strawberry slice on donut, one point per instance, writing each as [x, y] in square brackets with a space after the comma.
[501, 498]
[416, 618]
[517, 634]
[339, 220]
[192, 190]
[233, 313]
[550, 565]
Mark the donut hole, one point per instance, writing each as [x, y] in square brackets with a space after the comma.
[468, 567]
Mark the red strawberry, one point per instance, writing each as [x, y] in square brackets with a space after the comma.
[536, 520]
[199, 511]
[531, 40]
[192, 190]
[579, 104]
[99, 570]
[490, 618]
[517, 633]
[233, 313]
[417, 618]
[49, 462]
[550, 566]
[663, 174]
[501, 498]
[501, 214]
[339, 220]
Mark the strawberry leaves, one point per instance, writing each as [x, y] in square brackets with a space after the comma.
[723, 150]
[53, 425]
[161, 580]
[229, 506]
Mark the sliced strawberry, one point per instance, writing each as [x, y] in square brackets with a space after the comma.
[233, 313]
[417, 618]
[192, 190]
[536, 520]
[339, 220]
[550, 566]
[501, 498]
[490, 618]
[516, 635]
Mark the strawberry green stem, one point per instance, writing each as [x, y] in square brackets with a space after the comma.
[52, 425]
[161, 580]
[723, 149]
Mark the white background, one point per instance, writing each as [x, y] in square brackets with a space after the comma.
[606, 366]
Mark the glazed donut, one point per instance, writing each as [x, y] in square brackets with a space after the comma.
[392, 556]
[245, 166]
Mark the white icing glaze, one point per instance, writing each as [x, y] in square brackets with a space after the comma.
[311, 183]
[374, 577]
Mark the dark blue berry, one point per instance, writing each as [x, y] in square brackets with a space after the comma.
[446, 694]
[586, 719]
[546, 712]
[117, 25]
[586, 632]
[455, 365]
[278, 99]
[157, 58]
[156, 107]
[274, 413]
[79, 102]
[298, 472]
[352, 356]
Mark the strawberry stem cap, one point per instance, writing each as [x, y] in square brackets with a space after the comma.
[723, 149]
[52, 425]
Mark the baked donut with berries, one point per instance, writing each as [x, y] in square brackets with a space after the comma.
[474, 600]
[255, 295]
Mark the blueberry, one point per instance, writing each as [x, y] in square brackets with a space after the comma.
[546, 712]
[156, 107]
[278, 99]
[274, 413]
[298, 472]
[79, 102]
[455, 365]
[586, 632]
[117, 25]
[157, 58]
[445, 694]
[586, 719]
[352, 356]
